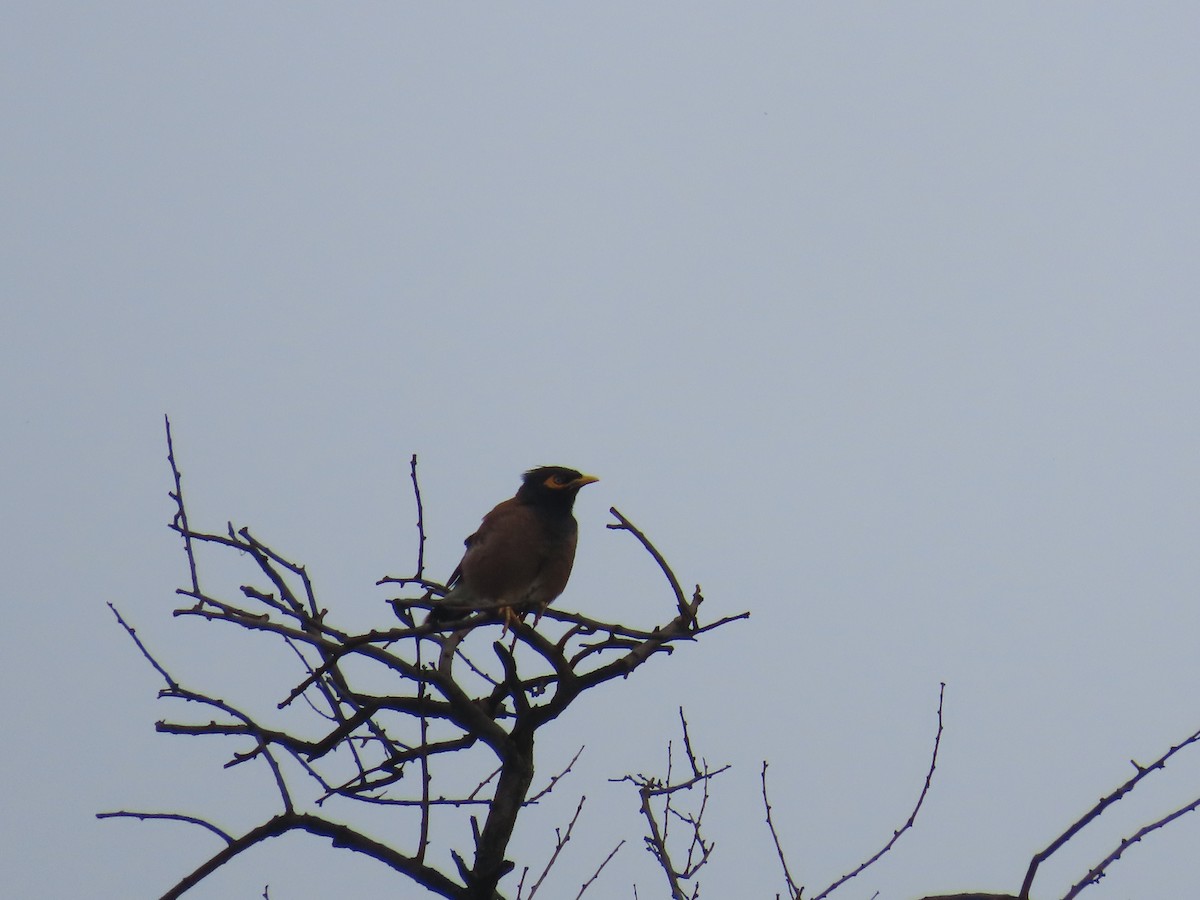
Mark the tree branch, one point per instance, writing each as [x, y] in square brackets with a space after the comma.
[937, 743]
[1094, 813]
[340, 835]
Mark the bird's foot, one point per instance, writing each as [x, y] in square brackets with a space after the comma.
[510, 617]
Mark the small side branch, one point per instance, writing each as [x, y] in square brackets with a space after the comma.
[794, 890]
[412, 471]
[132, 632]
[561, 838]
[169, 817]
[623, 524]
[600, 868]
[179, 521]
[556, 778]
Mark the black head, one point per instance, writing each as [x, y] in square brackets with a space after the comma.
[552, 486]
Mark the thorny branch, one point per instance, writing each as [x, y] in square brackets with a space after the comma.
[460, 702]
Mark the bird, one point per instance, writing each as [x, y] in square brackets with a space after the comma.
[520, 558]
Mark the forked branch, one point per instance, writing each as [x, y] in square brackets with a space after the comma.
[679, 861]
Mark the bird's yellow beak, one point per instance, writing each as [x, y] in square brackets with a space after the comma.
[582, 480]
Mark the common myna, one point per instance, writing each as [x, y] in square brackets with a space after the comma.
[520, 558]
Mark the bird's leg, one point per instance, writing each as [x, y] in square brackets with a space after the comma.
[510, 617]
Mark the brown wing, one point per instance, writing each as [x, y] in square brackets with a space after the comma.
[473, 540]
[505, 555]
[555, 570]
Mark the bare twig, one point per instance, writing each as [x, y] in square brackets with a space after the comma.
[937, 743]
[179, 521]
[560, 840]
[554, 779]
[600, 868]
[171, 685]
[170, 817]
[412, 470]
[794, 890]
[623, 524]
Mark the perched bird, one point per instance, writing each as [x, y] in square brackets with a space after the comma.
[520, 558]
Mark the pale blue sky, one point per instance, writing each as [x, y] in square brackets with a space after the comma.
[882, 321]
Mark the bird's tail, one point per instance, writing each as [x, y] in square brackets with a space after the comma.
[454, 607]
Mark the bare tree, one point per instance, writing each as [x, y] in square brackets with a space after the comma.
[440, 721]
[461, 700]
